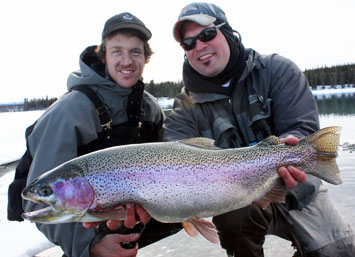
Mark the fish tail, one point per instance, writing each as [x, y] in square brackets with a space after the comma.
[326, 143]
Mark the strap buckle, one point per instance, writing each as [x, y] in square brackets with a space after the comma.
[107, 125]
[102, 109]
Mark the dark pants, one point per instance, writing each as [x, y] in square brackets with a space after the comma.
[317, 231]
[242, 232]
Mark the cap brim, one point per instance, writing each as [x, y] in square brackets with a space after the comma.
[202, 19]
[146, 32]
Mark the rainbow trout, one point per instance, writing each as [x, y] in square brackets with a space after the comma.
[180, 181]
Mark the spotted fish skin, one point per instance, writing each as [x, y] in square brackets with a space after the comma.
[178, 181]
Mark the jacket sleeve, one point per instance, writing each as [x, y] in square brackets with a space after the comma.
[294, 112]
[180, 123]
[53, 141]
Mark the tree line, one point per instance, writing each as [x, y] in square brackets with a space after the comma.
[164, 89]
[37, 103]
[335, 75]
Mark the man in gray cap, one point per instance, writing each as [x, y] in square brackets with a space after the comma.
[106, 106]
[238, 97]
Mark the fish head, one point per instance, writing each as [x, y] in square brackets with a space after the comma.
[66, 191]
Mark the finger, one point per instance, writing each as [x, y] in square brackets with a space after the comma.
[119, 238]
[130, 220]
[290, 182]
[129, 241]
[297, 174]
[113, 224]
[290, 140]
[90, 224]
[130, 252]
[143, 215]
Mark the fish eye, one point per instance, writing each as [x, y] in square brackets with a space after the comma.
[45, 191]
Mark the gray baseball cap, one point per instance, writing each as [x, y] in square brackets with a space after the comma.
[201, 13]
[125, 21]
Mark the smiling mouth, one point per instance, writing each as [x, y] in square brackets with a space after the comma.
[204, 57]
[126, 71]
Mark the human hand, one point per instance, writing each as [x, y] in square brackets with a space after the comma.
[110, 246]
[291, 175]
[134, 213]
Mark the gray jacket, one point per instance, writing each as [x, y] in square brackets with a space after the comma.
[70, 122]
[288, 106]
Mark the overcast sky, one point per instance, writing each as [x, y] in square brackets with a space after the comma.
[41, 40]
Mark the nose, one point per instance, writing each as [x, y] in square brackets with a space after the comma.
[126, 60]
[200, 45]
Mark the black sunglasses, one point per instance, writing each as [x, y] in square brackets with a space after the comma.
[204, 36]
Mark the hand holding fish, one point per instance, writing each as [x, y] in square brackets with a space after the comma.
[110, 245]
[134, 213]
[291, 175]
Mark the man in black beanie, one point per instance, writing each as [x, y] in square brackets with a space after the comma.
[238, 97]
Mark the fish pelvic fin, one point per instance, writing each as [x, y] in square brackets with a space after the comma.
[326, 143]
[205, 228]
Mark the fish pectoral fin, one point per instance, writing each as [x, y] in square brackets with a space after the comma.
[117, 213]
[204, 227]
[277, 194]
[200, 142]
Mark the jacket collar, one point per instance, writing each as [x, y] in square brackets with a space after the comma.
[253, 61]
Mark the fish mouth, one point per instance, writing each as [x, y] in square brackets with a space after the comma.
[38, 215]
[50, 215]
[35, 200]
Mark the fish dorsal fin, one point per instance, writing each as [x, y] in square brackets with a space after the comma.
[271, 140]
[277, 194]
[201, 142]
[204, 227]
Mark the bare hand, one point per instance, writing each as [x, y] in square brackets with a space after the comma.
[135, 213]
[110, 246]
[291, 175]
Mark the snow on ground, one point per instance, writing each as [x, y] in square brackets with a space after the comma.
[12, 133]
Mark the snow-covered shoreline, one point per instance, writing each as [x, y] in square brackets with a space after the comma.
[329, 90]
